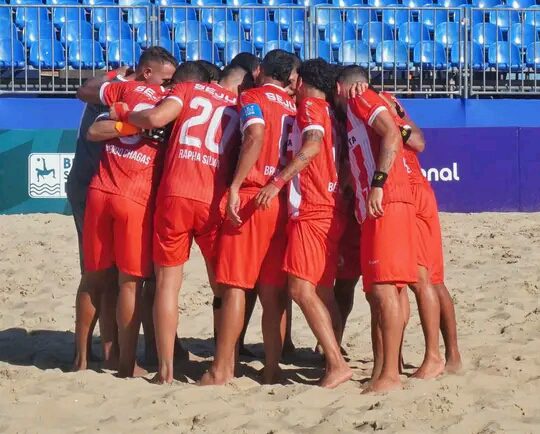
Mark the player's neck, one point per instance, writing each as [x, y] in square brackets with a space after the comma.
[311, 92]
[270, 80]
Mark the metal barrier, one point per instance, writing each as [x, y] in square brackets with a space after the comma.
[425, 51]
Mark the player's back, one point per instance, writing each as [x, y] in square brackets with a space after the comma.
[271, 106]
[130, 166]
[316, 187]
[204, 143]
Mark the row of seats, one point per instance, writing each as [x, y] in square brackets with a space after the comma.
[389, 55]
[516, 4]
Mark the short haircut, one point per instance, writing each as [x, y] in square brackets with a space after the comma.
[318, 73]
[158, 55]
[212, 69]
[245, 60]
[278, 64]
[191, 71]
[353, 73]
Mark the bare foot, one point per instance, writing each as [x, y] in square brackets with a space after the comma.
[272, 376]
[453, 364]
[212, 378]
[382, 385]
[430, 368]
[335, 377]
[164, 375]
[79, 364]
[139, 372]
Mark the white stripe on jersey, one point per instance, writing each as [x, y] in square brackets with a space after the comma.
[295, 196]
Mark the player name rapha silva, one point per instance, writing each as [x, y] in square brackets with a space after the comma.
[208, 160]
[129, 154]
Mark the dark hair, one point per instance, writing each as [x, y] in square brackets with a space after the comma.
[353, 73]
[191, 71]
[212, 69]
[319, 74]
[245, 60]
[157, 54]
[278, 64]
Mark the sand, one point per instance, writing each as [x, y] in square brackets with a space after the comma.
[493, 269]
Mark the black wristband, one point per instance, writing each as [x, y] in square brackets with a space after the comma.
[379, 178]
[405, 131]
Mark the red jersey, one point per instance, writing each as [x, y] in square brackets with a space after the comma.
[412, 163]
[130, 166]
[316, 187]
[271, 106]
[364, 148]
[204, 143]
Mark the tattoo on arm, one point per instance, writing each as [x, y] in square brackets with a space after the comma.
[301, 156]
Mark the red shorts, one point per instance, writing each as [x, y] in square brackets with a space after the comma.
[430, 252]
[117, 231]
[312, 248]
[388, 247]
[348, 266]
[177, 221]
[253, 253]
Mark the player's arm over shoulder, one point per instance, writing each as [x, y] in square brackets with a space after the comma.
[164, 113]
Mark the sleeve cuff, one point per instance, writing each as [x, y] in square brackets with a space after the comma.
[252, 122]
[175, 98]
[378, 110]
[313, 128]
[102, 92]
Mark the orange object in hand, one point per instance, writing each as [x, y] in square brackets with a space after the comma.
[126, 129]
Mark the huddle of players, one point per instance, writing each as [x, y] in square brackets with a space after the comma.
[263, 184]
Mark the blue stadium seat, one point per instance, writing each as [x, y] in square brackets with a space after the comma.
[228, 31]
[34, 30]
[203, 50]
[394, 17]
[189, 31]
[234, 47]
[392, 55]
[100, 15]
[521, 4]
[447, 33]
[468, 11]
[47, 54]
[5, 25]
[359, 17]
[355, 52]
[133, 2]
[248, 16]
[5, 15]
[297, 33]
[374, 32]
[143, 30]
[475, 56]
[25, 14]
[486, 34]
[522, 35]
[275, 2]
[273, 45]
[504, 18]
[287, 16]
[123, 52]
[75, 30]
[324, 50]
[80, 55]
[137, 16]
[504, 56]
[417, 3]
[207, 3]
[61, 2]
[112, 31]
[236, 4]
[532, 16]
[430, 55]
[327, 16]
[11, 54]
[412, 32]
[26, 2]
[265, 31]
[434, 16]
[453, 3]
[173, 48]
[313, 2]
[98, 2]
[174, 16]
[486, 4]
[337, 33]
[61, 15]
[347, 3]
[209, 16]
[532, 56]
[380, 3]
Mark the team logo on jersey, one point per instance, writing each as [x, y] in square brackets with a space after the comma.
[47, 175]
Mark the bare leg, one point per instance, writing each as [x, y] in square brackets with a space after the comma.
[449, 329]
[251, 301]
[430, 314]
[232, 315]
[288, 345]
[150, 350]
[169, 281]
[274, 304]
[107, 321]
[328, 298]
[128, 317]
[318, 318]
[406, 312]
[344, 292]
[386, 298]
[86, 314]
[376, 338]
